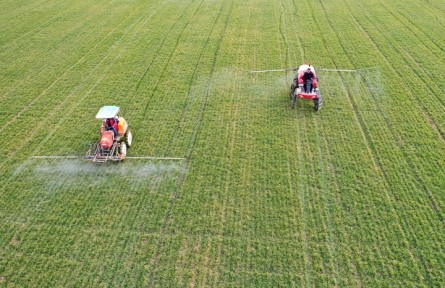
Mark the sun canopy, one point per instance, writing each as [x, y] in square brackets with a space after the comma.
[304, 68]
[107, 112]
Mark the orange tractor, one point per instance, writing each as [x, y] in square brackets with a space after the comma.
[115, 137]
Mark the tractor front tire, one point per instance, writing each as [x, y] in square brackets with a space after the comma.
[122, 150]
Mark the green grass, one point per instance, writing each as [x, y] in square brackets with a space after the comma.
[351, 195]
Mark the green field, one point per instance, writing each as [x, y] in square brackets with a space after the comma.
[350, 196]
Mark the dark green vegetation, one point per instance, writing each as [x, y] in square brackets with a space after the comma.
[352, 195]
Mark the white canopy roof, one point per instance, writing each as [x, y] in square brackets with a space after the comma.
[107, 112]
[304, 68]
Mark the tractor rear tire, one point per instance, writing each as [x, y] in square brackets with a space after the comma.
[292, 100]
[316, 104]
[128, 138]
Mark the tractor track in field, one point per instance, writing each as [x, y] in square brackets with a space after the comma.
[305, 221]
[327, 218]
[154, 262]
[372, 151]
[37, 128]
[437, 92]
[406, 227]
[162, 73]
[191, 82]
[285, 37]
[300, 56]
[307, 265]
[43, 67]
[111, 276]
[324, 193]
[297, 36]
[231, 136]
[399, 139]
[27, 10]
[323, 190]
[42, 124]
[424, 109]
[420, 68]
[156, 257]
[331, 198]
[65, 73]
[302, 213]
[291, 56]
[156, 54]
[412, 25]
[37, 29]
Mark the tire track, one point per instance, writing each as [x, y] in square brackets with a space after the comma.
[404, 229]
[23, 10]
[392, 127]
[43, 65]
[305, 235]
[65, 73]
[370, 146]
[182, 176]
[191, 82]
[35, 30]
[297, 35]
[111, 276]
[284, 37]
[418, 73]
[162, 73]
[231, 135]
[324, 189]
[37, 128]
[303, 213]
[163, 232]
[156, 54]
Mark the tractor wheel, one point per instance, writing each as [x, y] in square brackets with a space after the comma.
[292, 100]
[123, 150]
[320, 100]
[128, 138]
[316, 104]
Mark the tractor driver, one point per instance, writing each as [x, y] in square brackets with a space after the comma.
[110, 124]
[308, 75]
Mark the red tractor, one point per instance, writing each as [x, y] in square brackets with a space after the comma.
[305, 86]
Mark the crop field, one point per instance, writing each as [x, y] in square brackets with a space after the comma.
[242, 190]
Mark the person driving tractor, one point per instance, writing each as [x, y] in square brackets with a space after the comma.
[308, 75]
[110, 124]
